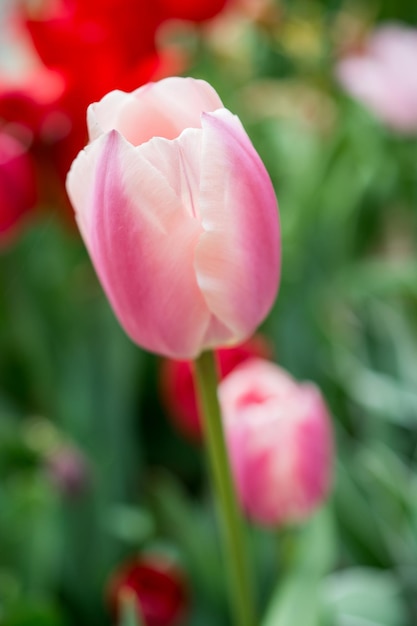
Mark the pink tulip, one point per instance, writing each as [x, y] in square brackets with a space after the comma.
[157, 586]
[179, 216]
[383, 76]
[279, 438]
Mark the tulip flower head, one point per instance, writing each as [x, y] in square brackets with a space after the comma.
[179, 216]
[383, 76]
[157, 586]
[279, 439]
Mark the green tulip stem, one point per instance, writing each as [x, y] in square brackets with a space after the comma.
[231, 523]
[130, 615]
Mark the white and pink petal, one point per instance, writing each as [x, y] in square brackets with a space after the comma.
[238, 256]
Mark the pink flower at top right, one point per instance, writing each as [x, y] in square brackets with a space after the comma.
[383, 76]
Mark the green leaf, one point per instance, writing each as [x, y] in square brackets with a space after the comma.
[131, 525]
[357, 520]
[382, 395]
[364, 596]
[297, 597]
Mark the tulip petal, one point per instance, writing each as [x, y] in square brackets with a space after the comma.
[142, 240]
[80, 185]
[178, 162]
[162, 109]
[238, 256]
[103, 116]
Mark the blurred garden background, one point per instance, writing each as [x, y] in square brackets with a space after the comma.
[96, 466]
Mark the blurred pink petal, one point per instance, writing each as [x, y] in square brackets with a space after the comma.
[280, 442]
[383, 76]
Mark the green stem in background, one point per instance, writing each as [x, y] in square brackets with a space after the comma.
[288, 541]
[129, 613]
[232, 527]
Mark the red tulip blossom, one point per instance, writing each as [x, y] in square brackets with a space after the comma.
[157, 586]
[102, 45]
[93, 47]
[18, 191]
[33, 102]
[191, 10]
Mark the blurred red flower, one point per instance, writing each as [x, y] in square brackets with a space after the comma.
[158, 587]
[107, 45]
[97, 46]
[18, 191]
[81, 50]
[191, 10]
[94, 47]
[177, 383]
[34, 103]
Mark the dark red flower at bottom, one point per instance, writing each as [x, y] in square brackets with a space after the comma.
[156, 584]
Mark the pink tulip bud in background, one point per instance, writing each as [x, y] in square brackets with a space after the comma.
[179, 216]
[383, 76]
[280, 442]
[178, 388]
[157, 586]
[17, 182]
[68, 469]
